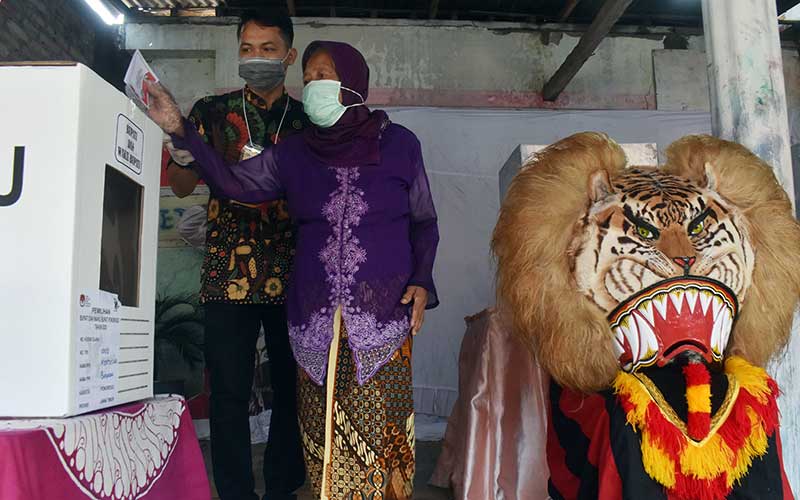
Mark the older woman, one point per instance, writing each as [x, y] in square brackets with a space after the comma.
[357, 188]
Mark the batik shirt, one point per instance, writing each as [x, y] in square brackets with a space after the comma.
[249, 247]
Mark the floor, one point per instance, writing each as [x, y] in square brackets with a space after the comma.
[427, 454]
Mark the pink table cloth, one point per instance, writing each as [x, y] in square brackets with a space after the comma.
[145, 450]
[494, 446]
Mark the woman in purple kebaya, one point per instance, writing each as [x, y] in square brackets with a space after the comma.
[363, 277]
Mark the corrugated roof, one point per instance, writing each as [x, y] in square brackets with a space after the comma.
[647, 12]
[172, 4]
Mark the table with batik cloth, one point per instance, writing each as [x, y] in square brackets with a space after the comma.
[494, 446]
[145, 450]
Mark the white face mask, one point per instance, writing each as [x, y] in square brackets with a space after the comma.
[321, 102]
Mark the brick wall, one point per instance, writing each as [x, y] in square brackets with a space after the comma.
[47, 30]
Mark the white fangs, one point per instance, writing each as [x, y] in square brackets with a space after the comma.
[691, 299]
[721, 333]
[661, 304]
[647, 311]
[725, 331]
[619, 342]
[633, 339]
[717, 305]
[705, 300]
[716, 334]
[635, 332]
[677, 299]
[648, 345]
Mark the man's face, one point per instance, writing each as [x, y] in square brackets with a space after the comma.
[266, 42]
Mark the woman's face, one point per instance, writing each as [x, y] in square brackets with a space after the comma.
[320, 66]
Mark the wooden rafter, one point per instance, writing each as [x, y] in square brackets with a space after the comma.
[434, 10]
[566, 11]
[606, 17]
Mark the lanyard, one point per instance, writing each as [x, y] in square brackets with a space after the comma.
[247, 122]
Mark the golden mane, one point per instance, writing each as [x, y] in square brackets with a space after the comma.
[541, 214]
[765, 320]
[544, 203]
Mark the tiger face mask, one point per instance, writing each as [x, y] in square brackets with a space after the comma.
[667, 260]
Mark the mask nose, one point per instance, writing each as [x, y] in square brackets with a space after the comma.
[685, 262]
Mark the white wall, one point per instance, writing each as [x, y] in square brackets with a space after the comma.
[469, 65]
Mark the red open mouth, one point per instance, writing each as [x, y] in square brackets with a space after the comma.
[671, 317]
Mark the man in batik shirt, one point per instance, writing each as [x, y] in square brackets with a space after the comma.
[249, 250]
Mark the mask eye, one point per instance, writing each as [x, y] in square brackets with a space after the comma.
[645, 233]
[697, 228]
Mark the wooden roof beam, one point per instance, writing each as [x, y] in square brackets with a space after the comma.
[434, 10]
[566, 11]
[605, 19]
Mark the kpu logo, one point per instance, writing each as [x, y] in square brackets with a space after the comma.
[85, 301]
[16, 179]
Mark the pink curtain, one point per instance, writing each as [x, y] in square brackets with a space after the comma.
[494, 447]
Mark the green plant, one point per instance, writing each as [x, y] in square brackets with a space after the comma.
[179, 323]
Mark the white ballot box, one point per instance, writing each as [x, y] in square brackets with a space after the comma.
[640, 154]
[79, 191]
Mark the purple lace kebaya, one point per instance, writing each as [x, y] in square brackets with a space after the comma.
[365, 233]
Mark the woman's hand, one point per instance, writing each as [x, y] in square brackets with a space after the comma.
[419, 297]
[163, 109]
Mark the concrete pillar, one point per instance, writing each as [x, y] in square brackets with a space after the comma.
[745, 71]
[748, 105]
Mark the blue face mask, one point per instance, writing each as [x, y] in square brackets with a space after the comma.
[321, 102]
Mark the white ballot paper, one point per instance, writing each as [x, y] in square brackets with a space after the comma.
[139, 72]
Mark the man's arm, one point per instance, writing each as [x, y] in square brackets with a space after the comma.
[181, 176]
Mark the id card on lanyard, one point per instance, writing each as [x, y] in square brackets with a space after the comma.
[249, 151]
[252, 149]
